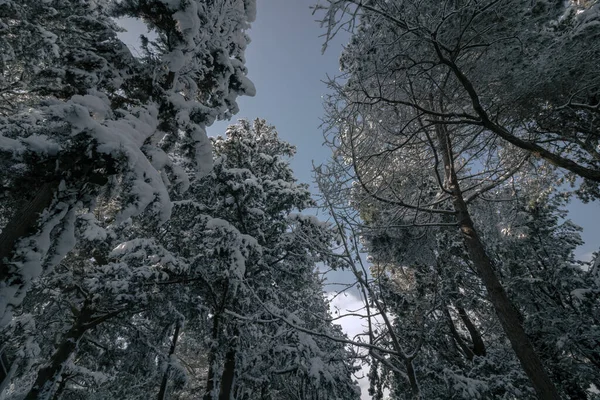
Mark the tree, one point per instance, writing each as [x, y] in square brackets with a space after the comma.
[463, 354]
[84, 116]
[104, 316]
[127, 321]
[507, 68]
[252, 256]
[424, 126]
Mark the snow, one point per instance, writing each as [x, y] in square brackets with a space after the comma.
[123, 137]
[65, 241]
[581, 294]
[50, 39]
[11, 145]
[41, 144]
[97, 104]
[30, 253]
[204, 163]
[175, 60]
[317, 368]
[91, 230]
[467, 387]
[38, 144]
[250, 7]
[188, 23]
[98, 377]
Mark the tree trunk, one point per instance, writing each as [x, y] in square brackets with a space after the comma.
[61, 387]
[507, 313]
[162, 393]
[21, 225]
[210, 381]
[478, 345]
[469, 354]
[47, 377]
[228, 377]
[412, 378]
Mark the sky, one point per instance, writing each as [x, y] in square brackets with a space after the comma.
[288, 69]
[285, 64]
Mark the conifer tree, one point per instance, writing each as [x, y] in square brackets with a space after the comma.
[83, 116]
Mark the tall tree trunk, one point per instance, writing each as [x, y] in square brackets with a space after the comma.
[228, 377]
[22, 224]
[412, 379]
[457, 338]
[47, 377]
[478, 345]
[507, 313]
[210, 381]
[162, 393]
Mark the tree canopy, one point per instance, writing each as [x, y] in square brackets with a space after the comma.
[140, 258]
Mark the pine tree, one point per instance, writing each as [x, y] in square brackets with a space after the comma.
[253, 256]
[84, 116]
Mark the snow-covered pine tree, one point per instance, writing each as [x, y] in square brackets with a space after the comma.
[105, 315]
[82, 116]
[447, 98]
[251, 258]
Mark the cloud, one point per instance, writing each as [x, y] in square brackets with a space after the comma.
[352, 325]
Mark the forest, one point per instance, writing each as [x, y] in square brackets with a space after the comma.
[141, 258]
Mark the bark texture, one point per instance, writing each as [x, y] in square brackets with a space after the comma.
[228, 377]
[23, 224]
[162, 393]
[505, 310]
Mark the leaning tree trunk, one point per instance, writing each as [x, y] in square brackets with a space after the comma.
[162, 393]
[22, 224]
[505, 310]
[46, 379]
[44, 385]
[476, 339]
[467, 351]
[412, 379]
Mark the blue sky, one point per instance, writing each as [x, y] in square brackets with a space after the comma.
[285, 63]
